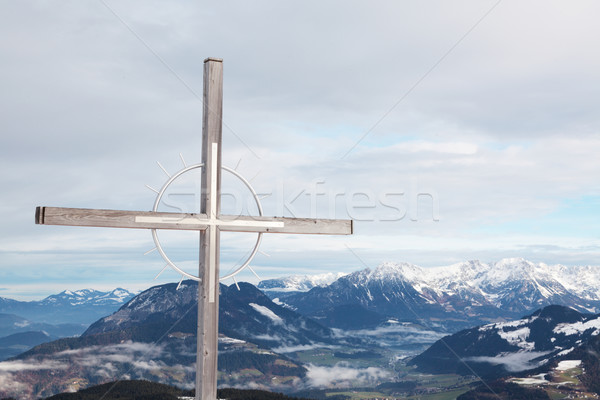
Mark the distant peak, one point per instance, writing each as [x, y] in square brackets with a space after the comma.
[301, 283]
[391, 270]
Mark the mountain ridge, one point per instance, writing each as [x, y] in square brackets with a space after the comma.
[299, 283]
[504, 348]
[462, 294]
[81, 306]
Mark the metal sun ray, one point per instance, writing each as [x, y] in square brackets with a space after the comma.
[164, 170]
[151, 188]
[231, 170]
[255, 176]
[254, 272]
[264, 254]
[238, 164]
[161, 271]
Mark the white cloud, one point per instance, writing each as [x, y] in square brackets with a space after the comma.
[397, 333]
[129, 360]
[342, 375]
[513, 362]
[273, 338]
[17, 366]
[103, 359]
[11, 384]
[301, 347]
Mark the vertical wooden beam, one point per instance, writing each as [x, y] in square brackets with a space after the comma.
[208, 288]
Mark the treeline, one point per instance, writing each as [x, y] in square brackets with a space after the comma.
[146, 390]
[240, 394]
[500, 390]
[125, 390]
[265, 363]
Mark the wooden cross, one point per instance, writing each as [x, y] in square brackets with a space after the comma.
[209, 222]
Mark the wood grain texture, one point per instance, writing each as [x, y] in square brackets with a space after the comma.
[290, 225]
[116, 218]
[210, 204]
[183, 221]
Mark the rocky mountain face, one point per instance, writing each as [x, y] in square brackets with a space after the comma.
[245, 313]
[452, 297]
[498, 349]
[153, 336]
[68, 307]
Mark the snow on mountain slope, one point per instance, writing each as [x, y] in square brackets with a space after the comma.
[299, 283]
[518, 284]
[591, 326]
[78, 307]
[470, 292]
[89, 297]
[395, 290]
[501, 283]
[267, 313]
[501, 348]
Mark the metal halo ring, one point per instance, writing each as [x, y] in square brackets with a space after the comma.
[155, 234]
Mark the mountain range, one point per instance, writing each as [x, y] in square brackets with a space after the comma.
[447, 298]
[24, 324]
[270, 338]
[68, 307]
[153, 336]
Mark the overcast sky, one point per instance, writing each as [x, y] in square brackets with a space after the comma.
[448, 131]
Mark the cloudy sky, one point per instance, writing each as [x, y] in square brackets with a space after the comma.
[448, 131]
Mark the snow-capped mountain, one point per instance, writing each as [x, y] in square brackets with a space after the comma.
[455, 296]
[78, 307]
[391, 290]
[518, 285]
[498, 349]
[89, 297]
[298, 283]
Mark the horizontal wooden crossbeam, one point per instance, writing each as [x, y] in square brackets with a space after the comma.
[188, 221]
